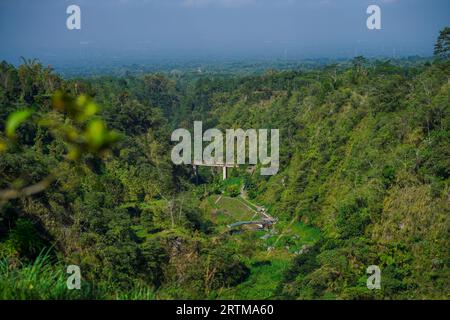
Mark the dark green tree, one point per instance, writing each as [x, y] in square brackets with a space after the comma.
[442, 46]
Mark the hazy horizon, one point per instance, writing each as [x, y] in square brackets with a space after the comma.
[127, 30]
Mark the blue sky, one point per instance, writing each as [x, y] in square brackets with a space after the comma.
[289, 29]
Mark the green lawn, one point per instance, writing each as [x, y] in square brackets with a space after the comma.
[228, 210]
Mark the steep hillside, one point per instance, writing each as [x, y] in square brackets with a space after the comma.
[363, 180]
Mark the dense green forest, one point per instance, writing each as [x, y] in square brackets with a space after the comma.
[86, 178]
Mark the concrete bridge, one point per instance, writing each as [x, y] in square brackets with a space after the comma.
[224, 167]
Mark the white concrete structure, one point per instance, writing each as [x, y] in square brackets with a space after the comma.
[222, 165]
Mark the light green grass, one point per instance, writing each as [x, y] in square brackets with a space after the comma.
[39, 280]
[267, 268]
[44, 280]
[262, 283]
[227, 210]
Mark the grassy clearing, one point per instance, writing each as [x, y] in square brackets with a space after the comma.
[248, 203]
[267, 266]
[227, 210]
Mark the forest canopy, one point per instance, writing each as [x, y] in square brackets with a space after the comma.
[86, 179]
